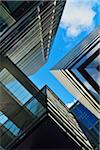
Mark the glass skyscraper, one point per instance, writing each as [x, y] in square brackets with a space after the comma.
[88, 123]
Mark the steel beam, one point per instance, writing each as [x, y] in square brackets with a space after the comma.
[23, 79]
[10, 106]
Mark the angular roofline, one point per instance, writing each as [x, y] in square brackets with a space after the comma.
[80, 46]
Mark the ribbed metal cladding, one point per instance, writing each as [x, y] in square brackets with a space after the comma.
[28, 43]
[60, 112]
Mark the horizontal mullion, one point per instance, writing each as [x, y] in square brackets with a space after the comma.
[32, 62]
[24, 49]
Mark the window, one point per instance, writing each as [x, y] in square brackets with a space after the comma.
[12, 127]
[3, 118]
[35, 107]
[14, 86]
[84, 115]
[8, 124]
[13, 5]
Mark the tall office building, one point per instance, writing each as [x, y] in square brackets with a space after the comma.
[37, 126]
[88, 123]
[27, 30]
[79, 70]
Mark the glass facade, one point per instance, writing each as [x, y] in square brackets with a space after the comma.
[19, 109]
[6, 20]
[88, 122]
[14, 86]
[35, 107]
[85, 116]
[15, 122]
[12, 127]
[12, 5]
[8, 130]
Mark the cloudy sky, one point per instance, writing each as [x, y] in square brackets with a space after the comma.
[79, 18]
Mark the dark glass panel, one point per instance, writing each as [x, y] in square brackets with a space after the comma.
[3, 24]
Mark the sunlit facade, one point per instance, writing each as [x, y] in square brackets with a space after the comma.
[79, 70]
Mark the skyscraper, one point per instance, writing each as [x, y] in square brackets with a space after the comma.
[26, 113]
[78, 71]
[27, 30]
[88, 123]
[37, 126]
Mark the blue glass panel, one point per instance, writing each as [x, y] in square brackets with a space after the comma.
[91, 117]
[3, 118]
[35, 107]
[84, 115]
[14, 86]
[12, 127]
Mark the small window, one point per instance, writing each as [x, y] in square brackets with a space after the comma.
[12, 127]
[3, 118]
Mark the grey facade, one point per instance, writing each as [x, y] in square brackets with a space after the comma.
[27, 30]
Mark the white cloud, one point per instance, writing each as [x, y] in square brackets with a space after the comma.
[71, 103]
[78, 16]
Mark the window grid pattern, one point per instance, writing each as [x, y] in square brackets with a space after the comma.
[85, 116]
[8, 124]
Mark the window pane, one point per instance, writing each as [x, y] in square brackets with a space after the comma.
[3, 118]
[14, 86]
[35, 107]
[12, 127]
[8, 124]
[13, 5]
[3, 25]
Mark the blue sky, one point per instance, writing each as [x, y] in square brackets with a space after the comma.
[79, 18]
